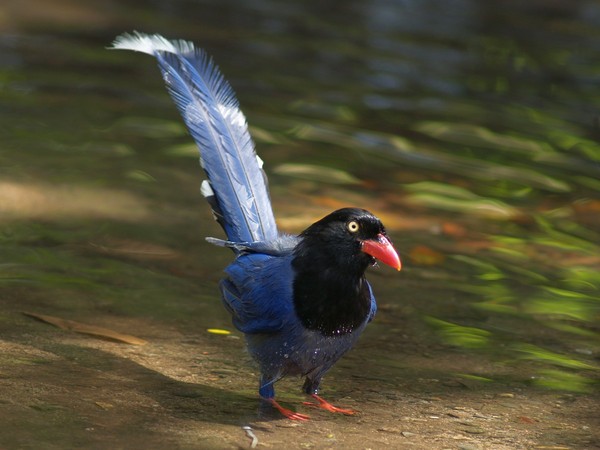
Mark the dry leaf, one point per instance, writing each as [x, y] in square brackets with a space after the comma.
[218, 331]
[454, 230]
[135, 249]
[525, 419]
[99, 332]
[104, 405]
[426, 256]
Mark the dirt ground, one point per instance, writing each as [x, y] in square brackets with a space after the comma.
[190, 389]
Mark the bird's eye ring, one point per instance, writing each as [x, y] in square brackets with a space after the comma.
[353, 226]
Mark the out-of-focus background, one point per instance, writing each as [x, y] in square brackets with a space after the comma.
[471, 128]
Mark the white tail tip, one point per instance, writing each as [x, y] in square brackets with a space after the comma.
[150, 44]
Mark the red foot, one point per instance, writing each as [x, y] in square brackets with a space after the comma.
[287, 412]
[324, 404]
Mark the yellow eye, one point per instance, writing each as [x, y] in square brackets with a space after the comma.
[353, 226]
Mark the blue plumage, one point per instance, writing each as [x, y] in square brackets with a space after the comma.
[211, 112]
[302, 301]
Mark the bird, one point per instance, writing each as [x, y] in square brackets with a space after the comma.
[301, 301]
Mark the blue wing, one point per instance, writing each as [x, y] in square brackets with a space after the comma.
[238, 188]
[258, 292]
[373, 310]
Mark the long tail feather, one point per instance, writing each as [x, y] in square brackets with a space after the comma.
[238, 191]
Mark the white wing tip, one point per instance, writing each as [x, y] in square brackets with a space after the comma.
[206, 189]
[150, 44]
[260, 162]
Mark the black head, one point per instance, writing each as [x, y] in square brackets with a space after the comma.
[350, 238]
[330, 292]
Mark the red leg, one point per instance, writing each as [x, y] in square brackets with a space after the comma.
[287, 412]
[324, 404]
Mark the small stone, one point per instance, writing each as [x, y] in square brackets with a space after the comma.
[460, 437]
[407, 434]
[287, 424]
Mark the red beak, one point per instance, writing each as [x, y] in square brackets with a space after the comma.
[383, 250]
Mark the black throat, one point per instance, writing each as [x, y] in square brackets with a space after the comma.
[330, 297]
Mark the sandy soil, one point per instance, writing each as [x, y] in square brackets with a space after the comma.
[187, 388]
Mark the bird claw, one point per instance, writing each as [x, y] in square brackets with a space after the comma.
[288, 413]
[324, 404]
[296, 416]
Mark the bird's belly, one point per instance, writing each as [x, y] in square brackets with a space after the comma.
[299, 353]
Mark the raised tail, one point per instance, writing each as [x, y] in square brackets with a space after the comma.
[237, 186]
